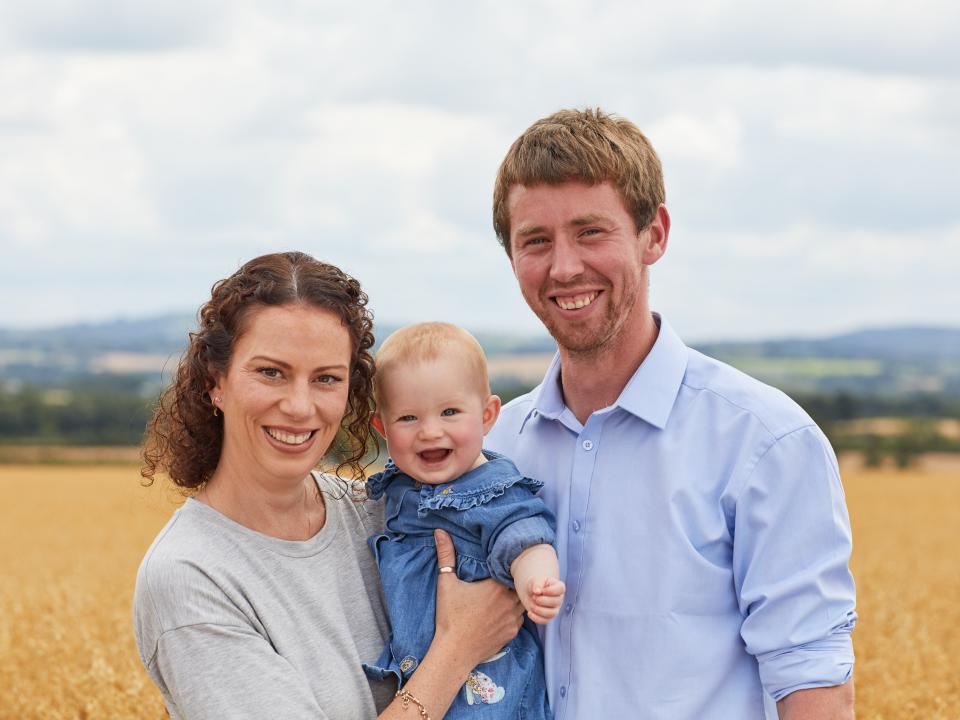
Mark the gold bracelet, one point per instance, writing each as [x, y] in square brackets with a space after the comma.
[408, 698]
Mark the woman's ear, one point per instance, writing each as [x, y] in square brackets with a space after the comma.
[491, 411]
[216, 393]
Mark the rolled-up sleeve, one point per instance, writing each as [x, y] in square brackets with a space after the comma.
[510, 525]
[791, 555]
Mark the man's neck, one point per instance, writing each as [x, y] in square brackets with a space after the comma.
[591, 382]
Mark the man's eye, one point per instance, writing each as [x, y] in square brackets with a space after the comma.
[449, 412]
[535, 241]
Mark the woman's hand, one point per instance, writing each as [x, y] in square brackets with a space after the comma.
[474, 621]
[475, 618]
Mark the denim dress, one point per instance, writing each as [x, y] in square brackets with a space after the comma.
[492, 515]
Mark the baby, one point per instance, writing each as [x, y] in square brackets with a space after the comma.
[434, 406]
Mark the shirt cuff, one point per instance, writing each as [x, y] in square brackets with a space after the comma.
[513, 540]
[822, 663]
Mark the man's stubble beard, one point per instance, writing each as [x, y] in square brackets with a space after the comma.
[589, 343]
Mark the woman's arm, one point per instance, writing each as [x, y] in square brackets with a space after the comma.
[493, 616]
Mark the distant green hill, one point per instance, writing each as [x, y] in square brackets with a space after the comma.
[893, 361]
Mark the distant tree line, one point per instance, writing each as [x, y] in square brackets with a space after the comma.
[113, 410]
[99, 413]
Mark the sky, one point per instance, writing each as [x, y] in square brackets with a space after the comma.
[810, 150]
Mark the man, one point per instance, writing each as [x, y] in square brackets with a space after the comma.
[702, 529]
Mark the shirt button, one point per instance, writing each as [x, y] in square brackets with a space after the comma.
[568, 609]
[563, 691]
[588, 445]
[576, 526]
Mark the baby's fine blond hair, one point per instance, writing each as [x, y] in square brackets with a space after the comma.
[424, 342]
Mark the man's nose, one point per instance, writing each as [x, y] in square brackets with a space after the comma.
[567, 262]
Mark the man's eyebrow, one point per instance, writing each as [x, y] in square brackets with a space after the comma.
[591, 219]
[525, 230]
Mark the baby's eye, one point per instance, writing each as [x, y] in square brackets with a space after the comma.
[406, 418]
[270, 372]
[449, 412]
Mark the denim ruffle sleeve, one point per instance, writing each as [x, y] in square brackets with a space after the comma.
[377, 483]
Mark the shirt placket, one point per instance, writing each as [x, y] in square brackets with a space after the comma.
[584, 461]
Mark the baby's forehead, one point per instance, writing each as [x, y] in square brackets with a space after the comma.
[457, 373]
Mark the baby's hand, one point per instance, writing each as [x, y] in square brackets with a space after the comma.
[543, 599]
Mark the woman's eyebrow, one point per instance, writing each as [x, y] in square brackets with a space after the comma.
[287, 366]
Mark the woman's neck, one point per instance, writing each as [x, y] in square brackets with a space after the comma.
[285, 510]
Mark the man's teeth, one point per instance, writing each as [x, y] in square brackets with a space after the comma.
[577, 301]
[289, 438]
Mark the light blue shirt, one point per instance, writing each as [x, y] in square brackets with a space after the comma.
[703, 537]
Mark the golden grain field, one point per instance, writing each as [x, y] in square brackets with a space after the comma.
[71, 538]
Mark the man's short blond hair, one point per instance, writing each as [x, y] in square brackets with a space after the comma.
[589, 146]
[428, 341]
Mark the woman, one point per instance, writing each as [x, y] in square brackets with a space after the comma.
[260, 598]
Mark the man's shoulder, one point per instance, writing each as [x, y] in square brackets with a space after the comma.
[516, 411]
[733, 391]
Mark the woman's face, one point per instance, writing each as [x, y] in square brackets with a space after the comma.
[284, 395]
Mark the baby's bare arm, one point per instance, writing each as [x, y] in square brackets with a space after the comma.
[536, 576]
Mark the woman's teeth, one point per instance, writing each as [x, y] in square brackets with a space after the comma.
[289, 438]
[577, 301]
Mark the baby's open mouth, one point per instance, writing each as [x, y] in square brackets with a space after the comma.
[435, 455]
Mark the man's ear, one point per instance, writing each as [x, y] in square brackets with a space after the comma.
[491, 411]
[377, 422]
[657, 234]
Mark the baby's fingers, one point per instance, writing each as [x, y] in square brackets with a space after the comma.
[541, 616]
[553, 588]
[546, 602]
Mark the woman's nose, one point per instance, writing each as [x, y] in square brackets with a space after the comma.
[296, 402]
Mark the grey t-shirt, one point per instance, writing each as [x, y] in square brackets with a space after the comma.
[231, 623]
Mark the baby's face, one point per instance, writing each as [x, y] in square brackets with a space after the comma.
[434, 418]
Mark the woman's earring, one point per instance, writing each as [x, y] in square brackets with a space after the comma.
[216, 410]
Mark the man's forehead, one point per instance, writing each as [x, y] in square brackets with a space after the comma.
[533, 207]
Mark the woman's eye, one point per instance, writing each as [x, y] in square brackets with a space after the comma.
[449, 412]
[269, 372]
[328, 379]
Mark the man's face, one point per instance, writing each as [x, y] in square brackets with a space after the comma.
[579, 260]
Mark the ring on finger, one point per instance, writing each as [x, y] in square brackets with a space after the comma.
[446, 569]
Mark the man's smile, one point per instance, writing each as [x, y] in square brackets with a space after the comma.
[575, 302]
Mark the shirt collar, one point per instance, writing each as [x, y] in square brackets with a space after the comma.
[650, 392]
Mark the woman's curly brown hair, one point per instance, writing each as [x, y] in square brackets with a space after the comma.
[184, 438]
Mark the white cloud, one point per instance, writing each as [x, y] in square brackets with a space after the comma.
[148, 150]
